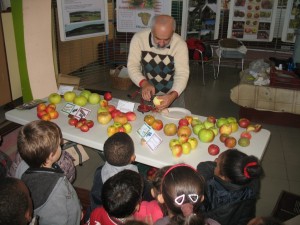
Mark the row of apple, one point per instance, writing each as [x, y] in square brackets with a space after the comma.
[83, 124]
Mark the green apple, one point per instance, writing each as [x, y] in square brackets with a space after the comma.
[221, 121]
[231, 119]
[197, 128]
[186, 148]
[244, 142]
[215, 130]
[69, 96]
[117, 124]
[206, 135]
[208, 124]
[173, 142]
[102, 109]
[86, 93]
[195, 121]
[94, 98]
[54, 98]
[194, 142]
[128, 127]
[80, 100]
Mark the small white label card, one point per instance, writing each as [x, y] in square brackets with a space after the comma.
[64, 88]
[75, 110]
[148, 134]
[125, 106]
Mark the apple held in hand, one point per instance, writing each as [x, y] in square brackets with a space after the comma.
[69, 96]
[213, 149]
[80, 100]
[170, 129]
[94, 98]
[244, 123]
[54, 98]
[157, 101]
[107, 96]
[206, 135]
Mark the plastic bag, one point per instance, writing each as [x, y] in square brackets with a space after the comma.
[258, 65]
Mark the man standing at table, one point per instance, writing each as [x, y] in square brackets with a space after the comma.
[158, 62]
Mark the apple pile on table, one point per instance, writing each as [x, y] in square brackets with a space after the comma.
[83, 124]
[47, 112]
[184, 143]
[156, 124]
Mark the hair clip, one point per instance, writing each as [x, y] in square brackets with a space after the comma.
[180, 199]
[246, 174]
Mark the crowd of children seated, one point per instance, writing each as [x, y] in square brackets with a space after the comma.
[220, 192]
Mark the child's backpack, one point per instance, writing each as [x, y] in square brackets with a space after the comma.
[193, 44]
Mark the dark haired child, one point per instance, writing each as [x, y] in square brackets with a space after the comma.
[182, 192]
[54, 199]
[232, 187]
[15, 202]
[119, 154]
[121, 197]
[151, 211]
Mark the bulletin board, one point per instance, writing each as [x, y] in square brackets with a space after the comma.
[291, 21]
[252, 20]
[136, 15]
[82, 19]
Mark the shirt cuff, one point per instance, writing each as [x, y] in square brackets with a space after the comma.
[141, 82]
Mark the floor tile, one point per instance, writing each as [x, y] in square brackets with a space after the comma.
[293, 172]
[295, 187]
[275, 170]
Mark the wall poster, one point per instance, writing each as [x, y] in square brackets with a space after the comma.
[252, 20]
[82, 19]
[135, 15]
[291, 21]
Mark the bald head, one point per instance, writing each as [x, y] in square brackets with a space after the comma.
[163, 27]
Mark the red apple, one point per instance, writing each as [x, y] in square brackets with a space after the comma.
[103, 103]
[211, 119]
[83, 120]
[79, 124]
[230, 142]
[157, 125]
[84, 128]
[244, 123]
[131, 116]
[111, 108]
[151, 173]
[176, 150]
[183, 122]
[121, 118]
[183, 138]
[41, 113]
[170, 129]
[213, 149]
[246, 134]
[46, 117]
[184, 130]
[115, 112]
[121, 129]
[54, 114]
[89, 123]
[49, 109]
[107, 96]
[73, 121]
[257, 127]
[223, 137]
[51, 105]
[41, 107]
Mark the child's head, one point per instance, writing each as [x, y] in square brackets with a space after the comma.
[39, 143]
[122, 193]
[119, 149]
[15, 202]
[237, 167]
[182, 191]
[156, 182]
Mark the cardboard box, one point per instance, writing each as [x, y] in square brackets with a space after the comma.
[64, 79]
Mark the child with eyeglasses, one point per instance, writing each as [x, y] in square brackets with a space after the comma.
[232, 187]
[182, 193]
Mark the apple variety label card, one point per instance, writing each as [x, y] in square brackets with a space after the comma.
[64, 88]
[152, 139]
[125, 106]
[75, 110]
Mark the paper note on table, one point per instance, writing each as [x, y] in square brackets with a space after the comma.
[148, 134]
[125, 106]
[64, 88]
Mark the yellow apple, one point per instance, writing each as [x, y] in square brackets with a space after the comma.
[225, 129]
[170, 129]
[128, 127]
[157, 101]
[194, 142]
[104, 118]
[186, 148]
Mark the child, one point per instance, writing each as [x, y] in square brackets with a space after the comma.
[121, 196]
[119, 154]
[182, 193]
[15, 202]
[232, 186]
[54, 198]
[151, 211]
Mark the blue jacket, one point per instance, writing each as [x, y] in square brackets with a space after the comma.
[225, 202]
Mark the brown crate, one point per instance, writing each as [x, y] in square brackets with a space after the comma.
[120, 83]
[64, 79]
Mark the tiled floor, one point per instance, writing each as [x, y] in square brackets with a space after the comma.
[281, 161]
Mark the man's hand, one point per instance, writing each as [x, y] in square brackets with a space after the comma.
[147, 90]
[166, 100]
